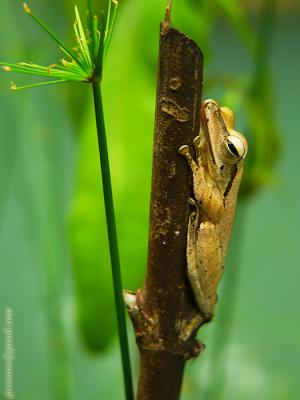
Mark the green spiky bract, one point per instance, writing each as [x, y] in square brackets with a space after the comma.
[82, 63]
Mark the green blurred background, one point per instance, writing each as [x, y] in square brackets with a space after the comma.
[55, 272]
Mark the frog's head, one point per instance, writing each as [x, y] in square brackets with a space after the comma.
[227, 147]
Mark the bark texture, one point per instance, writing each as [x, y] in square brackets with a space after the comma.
[164, 312]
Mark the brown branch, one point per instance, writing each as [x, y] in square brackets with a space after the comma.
[163, 312]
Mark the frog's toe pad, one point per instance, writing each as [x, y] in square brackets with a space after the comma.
[184, 150]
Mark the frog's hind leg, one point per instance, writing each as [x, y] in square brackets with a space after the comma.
[209, 267]
[191, 253]
[203, 261]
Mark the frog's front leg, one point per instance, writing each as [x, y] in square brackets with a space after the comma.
[207, 195]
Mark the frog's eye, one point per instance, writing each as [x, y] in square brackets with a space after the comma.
[236, 146]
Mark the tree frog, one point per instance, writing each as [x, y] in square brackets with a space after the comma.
[217, 170]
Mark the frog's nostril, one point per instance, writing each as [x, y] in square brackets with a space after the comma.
[210, 104]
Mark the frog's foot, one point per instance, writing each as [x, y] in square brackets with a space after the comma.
[184, 151]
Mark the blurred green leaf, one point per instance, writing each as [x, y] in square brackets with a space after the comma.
[129, 121]
[265, 139]
[238, 19]
[89, 247]
[259, 106]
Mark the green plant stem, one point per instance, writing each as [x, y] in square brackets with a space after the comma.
[113, 243]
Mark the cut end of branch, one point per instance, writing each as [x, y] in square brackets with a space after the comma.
[130, 300]
[168, 13]
[26, 8]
